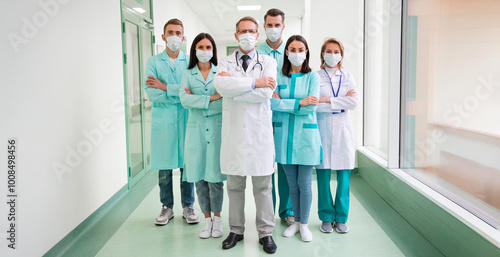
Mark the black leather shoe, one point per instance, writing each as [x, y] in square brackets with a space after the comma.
[231, 240]
[268, 243]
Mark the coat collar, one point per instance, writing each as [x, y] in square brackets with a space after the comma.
[337, 72]
[232, 59]
[268, 49]
[195, 71]
[180, 56]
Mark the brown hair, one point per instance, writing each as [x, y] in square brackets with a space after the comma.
[275, 12]
[331, 40]
[173, 21]
[287, 65]
[247, 18]
[193, 59]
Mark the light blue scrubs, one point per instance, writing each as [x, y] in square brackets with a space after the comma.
[285, 206]
[203, 138]
[203, 133]
[296, 137]
[296, 134]
[276, 54]
[169, 117]
[168, 126]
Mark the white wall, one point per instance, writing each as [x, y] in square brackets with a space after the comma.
[65, 79]
[166, 10]
[343, 20]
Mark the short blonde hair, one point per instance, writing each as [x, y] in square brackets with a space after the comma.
[331, 40]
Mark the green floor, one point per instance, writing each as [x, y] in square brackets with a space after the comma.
[376, 230]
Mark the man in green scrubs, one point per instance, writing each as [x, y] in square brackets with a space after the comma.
[168, 122]
[275, 47]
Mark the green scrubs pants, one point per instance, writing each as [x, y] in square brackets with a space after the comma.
[327, 210]
[285, 206]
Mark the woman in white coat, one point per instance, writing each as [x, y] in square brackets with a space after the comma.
[203, 132]
[337, 97]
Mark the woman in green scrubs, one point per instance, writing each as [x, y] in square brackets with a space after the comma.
[203, 132]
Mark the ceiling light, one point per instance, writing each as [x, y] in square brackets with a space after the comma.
[139, 10]
[248, 7]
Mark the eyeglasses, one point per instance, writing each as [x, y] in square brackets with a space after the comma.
[251, 31]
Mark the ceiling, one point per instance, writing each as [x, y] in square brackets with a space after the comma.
[221, 16]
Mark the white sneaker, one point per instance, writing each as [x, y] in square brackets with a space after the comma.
[166, 214]
[341, 228]
[217, 227]
[292, 230]
[305, 233]
[206, 232]
[190, 216]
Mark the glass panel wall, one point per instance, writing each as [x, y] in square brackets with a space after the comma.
[450, 128]
[376, 75]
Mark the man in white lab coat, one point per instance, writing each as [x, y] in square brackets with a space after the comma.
[246, 81]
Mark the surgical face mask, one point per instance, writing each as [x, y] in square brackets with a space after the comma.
[296, 58]
[332, 59]
[273, 34]
[174, 42]
[204, 56]
[247, 41]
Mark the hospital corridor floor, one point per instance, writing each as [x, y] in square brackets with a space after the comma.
[375, 230]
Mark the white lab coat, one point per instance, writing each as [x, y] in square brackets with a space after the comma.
[247, 146]
[337, 136]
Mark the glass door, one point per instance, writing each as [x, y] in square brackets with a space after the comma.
[147, 51]
[137, 47]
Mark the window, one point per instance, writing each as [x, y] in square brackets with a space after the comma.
[450, 122]
[376, 75]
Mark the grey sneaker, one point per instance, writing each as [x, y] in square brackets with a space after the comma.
[326, 227]
[341, 227]
[166, 214]
[289, 220]
[190, 216]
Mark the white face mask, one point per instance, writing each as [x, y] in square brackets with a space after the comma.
[332, 59]
[296, 58]
[173, 43]
[273, 34]
[247, 41]
[204, 56]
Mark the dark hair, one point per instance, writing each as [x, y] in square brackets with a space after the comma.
[193, 60]
[287, 66]
[248, 18]
[275, 12]
[331, 40]
[173, 21]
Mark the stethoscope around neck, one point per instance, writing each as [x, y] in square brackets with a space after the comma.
[239, 68]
